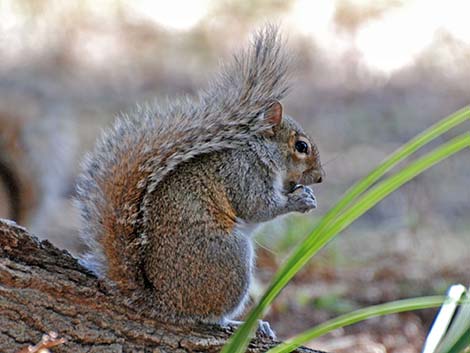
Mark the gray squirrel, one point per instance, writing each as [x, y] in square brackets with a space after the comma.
[169, 192]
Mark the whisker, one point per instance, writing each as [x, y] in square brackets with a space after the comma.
[338, 155]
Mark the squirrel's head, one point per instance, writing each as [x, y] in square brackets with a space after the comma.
[301, 157]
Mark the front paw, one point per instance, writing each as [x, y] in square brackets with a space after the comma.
[301, 199]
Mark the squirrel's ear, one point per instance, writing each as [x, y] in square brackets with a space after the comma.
[273, 115]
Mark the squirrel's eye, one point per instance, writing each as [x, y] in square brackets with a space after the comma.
[301, 146]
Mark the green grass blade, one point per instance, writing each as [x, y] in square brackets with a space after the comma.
[379, 192]
[318, 238]
[357, 316]
[399, 155]
[396, 157]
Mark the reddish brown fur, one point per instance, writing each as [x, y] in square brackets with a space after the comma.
[116, 233]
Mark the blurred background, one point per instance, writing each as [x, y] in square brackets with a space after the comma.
[368, 75]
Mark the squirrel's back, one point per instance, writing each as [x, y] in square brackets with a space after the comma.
[134, 156]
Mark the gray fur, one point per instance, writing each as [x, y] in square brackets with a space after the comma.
[173, 186]
[225, 115]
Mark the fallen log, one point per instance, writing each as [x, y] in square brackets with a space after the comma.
[44, 289]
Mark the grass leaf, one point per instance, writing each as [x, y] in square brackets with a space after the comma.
[357, 316]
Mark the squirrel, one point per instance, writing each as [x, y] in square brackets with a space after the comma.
[169, 192]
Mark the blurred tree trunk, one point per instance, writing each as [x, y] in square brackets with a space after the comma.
[44, 289]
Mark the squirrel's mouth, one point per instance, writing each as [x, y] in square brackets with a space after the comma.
[292, 186]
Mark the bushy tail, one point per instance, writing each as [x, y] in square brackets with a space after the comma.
[132, 158]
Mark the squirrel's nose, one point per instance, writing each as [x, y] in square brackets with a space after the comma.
[320, 175]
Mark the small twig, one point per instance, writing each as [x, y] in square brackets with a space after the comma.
[48, 341]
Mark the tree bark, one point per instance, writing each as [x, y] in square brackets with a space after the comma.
[44, 289]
